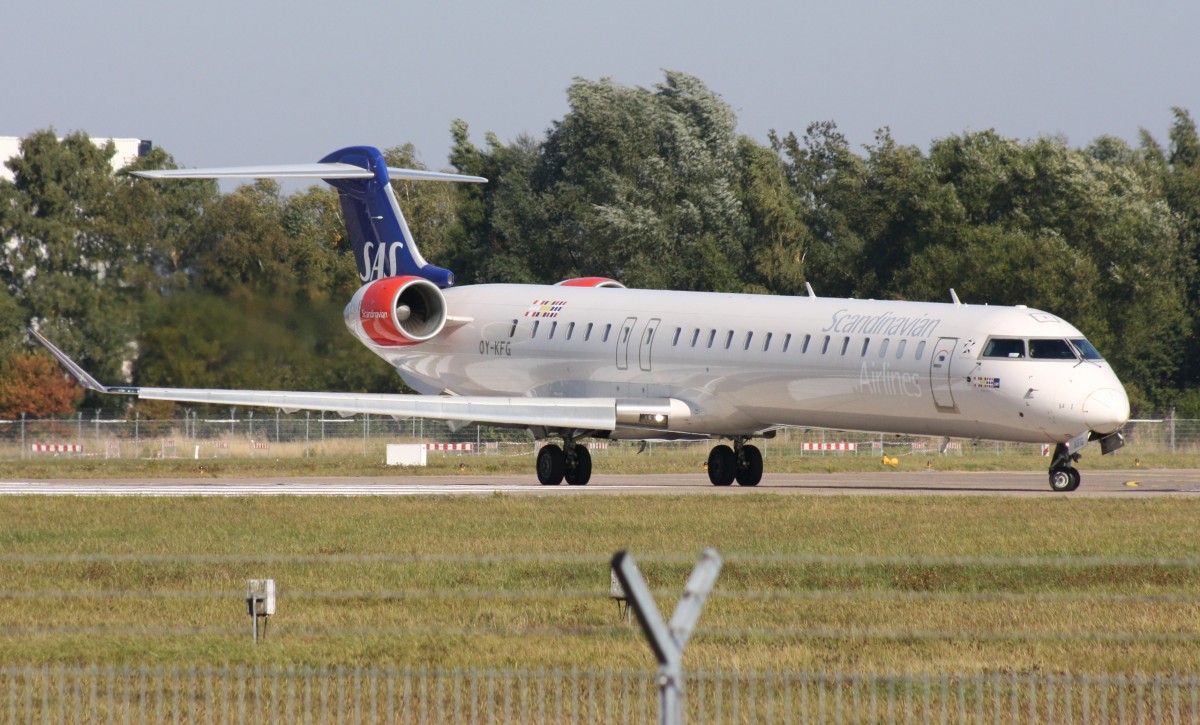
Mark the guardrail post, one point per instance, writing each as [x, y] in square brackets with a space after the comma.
[669, 640]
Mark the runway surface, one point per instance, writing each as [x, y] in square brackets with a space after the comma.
[1127, 484]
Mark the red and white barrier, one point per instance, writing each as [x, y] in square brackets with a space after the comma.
[829, 446]
[449, 446]
[57, 448]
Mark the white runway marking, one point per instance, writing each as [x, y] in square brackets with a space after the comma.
[291, 488]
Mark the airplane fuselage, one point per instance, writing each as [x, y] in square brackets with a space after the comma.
[747, 363]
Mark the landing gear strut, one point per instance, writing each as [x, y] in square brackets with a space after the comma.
[574, 463]
[1063, 475]
[743, 463]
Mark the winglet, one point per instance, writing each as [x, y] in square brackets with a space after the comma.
[85, 379]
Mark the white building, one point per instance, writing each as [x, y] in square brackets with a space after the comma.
[128, 149]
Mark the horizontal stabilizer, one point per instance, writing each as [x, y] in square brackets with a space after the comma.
[326, 170]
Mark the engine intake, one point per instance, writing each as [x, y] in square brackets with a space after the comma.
[397, 311]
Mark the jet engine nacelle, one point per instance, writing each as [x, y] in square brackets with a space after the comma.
[590, 282]
[396, 311]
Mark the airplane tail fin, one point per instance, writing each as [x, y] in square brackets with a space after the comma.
[379, 236]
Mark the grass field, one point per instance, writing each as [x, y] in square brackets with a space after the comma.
[1062, 585]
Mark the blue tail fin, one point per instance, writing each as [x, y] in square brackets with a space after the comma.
[383, 245]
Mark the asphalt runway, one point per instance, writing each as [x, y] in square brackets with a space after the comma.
[1136, 483]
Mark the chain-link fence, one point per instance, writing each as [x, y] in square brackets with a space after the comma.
[247, 433]
[74, 693]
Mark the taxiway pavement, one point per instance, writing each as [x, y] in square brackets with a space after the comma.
[1136, 483]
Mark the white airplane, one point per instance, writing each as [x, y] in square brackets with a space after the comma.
[589, 358]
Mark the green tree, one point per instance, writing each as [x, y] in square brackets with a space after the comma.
[60, 260]
[628, 178]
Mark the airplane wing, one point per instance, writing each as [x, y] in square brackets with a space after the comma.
[577, 413]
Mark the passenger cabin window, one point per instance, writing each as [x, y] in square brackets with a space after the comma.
[536, 323]
[553, 327]
[607, 329]
[728, 339]
[675, 341]
[1006, 347]
[767, 343]
[804, 347]
[866, 344]
[712, 335]
[695, 337]
[570, 330]
[513, 331]
[845, 344]
[1085, 348]
[748, 336]
[900, 349]
[883, 346]
[920, 349]
[1051, 350]
[625, 335]
[787, 340]
[587, 334]
[825, 345]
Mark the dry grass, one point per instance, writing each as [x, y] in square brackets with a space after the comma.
[342, 604]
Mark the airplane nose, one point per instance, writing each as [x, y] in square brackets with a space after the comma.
[1106, 410]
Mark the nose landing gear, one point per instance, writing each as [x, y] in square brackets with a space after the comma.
[1063, 475]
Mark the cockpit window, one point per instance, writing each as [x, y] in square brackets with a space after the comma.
[1006, 347]
[1051, 350]
[1085, 348]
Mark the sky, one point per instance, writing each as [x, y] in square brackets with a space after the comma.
[225, 82]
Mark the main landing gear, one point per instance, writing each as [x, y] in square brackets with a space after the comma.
[1063, 475]
[572, 461]
[743, 463]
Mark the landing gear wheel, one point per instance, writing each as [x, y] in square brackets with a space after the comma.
[1064, 479]
[749, 466]
[722, 465]
[551, 465]
[579, 471]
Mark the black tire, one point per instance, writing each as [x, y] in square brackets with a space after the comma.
[581, 472]
[750, 466]
[722, 465]
[551, 465]
[1064, 479]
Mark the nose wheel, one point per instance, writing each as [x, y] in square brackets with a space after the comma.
[1064, 476]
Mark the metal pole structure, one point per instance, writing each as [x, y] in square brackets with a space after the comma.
[1172, 430]
[669, 640]
[22, 436]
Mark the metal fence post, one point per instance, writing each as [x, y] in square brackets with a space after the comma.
[669, 641]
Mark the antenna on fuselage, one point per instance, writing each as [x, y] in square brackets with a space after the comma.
[808, 286]
[954, 298]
